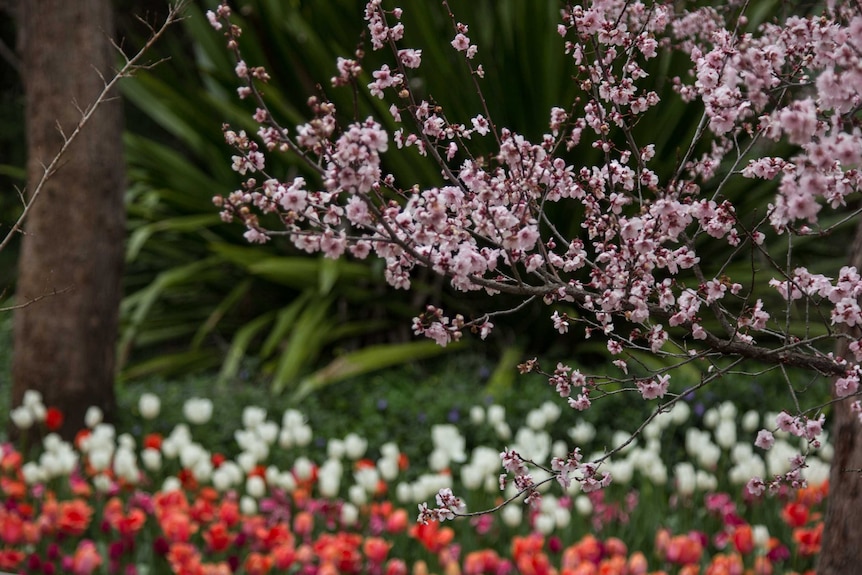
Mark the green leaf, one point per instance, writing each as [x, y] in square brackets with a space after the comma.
[219, 312]
[138, 305]
[304, 345]
[503, 378]
[371, 358]
[179, 224]
[171, 364]
[240, 344]
[303, 272]
[284, 322]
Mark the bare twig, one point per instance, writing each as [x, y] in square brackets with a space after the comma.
[131, 66]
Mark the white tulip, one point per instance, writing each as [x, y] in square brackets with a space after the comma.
[303, 468]
[329, 485]
[32, 473]
[512, 515]
[582, 433]
[149, 405]
[39, 411]
[221, 480]
[727, 410]
[560, 449]
[335, 449]
[404, 493]
[562, 517]
[707, 481]
[551, 410]
[246, 461]
[725, 433]
[583, 505]
[171, 483]
[357, 495]
[388, 468]
[152, 459]
[271, 474]
[191, 454]
[711, 418]
[198, 410]
[126, 465]
[302, 435]
[657, 472]
[285, 438]
[750, 421]
[22, 417]
[652, 430]
[390, 450]
[268, 432]
[368, 478]
[446, 437]
[680, 412]
[104, 484]
[100, 459]
[536, 419]
[349, 514]
[492, 484]
[255, 486]
[252, 416]
[622, 471]
[67, 458]
[438, 460]
[544, 523]
[708, 455]
[354, 446]
[477, 415]
[52, 442]
[620, 437]
[817, 471]
[247, 505]
[93, 417]
[471, 477]
[286, 481]
[292, 418]
[31, 398]
[496, 414]
[203, 470]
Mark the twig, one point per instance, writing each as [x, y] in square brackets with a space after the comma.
[131, 66]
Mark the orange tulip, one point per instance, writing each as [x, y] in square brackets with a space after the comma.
[743, 539]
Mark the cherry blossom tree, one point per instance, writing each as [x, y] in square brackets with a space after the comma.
[777, 104]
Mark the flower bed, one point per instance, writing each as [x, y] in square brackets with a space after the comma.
[143, 503]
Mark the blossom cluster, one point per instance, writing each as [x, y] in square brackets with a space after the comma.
[778, 102]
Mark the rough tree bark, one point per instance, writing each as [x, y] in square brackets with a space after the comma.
[841, 552]
[73, 243]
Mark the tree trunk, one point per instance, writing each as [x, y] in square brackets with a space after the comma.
[841, 552]
[72, 249]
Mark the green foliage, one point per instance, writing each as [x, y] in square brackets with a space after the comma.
[199, 297]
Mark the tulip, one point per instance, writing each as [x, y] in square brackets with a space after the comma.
[198, 410]
[149, 405]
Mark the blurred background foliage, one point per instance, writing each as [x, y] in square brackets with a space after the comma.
[199, 298]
